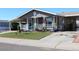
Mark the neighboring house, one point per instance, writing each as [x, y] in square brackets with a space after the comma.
[4, 25]
[39, 20]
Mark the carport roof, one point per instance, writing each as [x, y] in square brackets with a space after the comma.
[69, 14]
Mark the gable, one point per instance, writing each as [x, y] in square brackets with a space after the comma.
[36, 13]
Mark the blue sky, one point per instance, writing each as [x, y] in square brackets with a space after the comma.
[10, 13]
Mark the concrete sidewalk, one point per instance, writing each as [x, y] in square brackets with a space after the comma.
[59, 40]
[6, 32]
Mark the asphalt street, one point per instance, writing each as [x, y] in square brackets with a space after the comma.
[14, 47]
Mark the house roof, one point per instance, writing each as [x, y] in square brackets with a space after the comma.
[45, 11]
[69, 14]
[34, 10]
[39, 11]
[65, 14]
[4, 21]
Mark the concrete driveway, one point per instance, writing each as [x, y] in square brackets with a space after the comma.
[62, 40]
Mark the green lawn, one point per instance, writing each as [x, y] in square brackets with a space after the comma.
[26, 35]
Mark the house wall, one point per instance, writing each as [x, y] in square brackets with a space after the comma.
[4, 26]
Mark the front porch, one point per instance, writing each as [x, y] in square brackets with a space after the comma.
[37, 24]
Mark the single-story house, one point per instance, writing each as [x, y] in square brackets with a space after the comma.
[38, 20]
[4, 25]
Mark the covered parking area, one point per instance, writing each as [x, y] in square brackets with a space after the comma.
[70, 23]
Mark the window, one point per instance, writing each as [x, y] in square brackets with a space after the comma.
[49, 21]
[40, 20]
